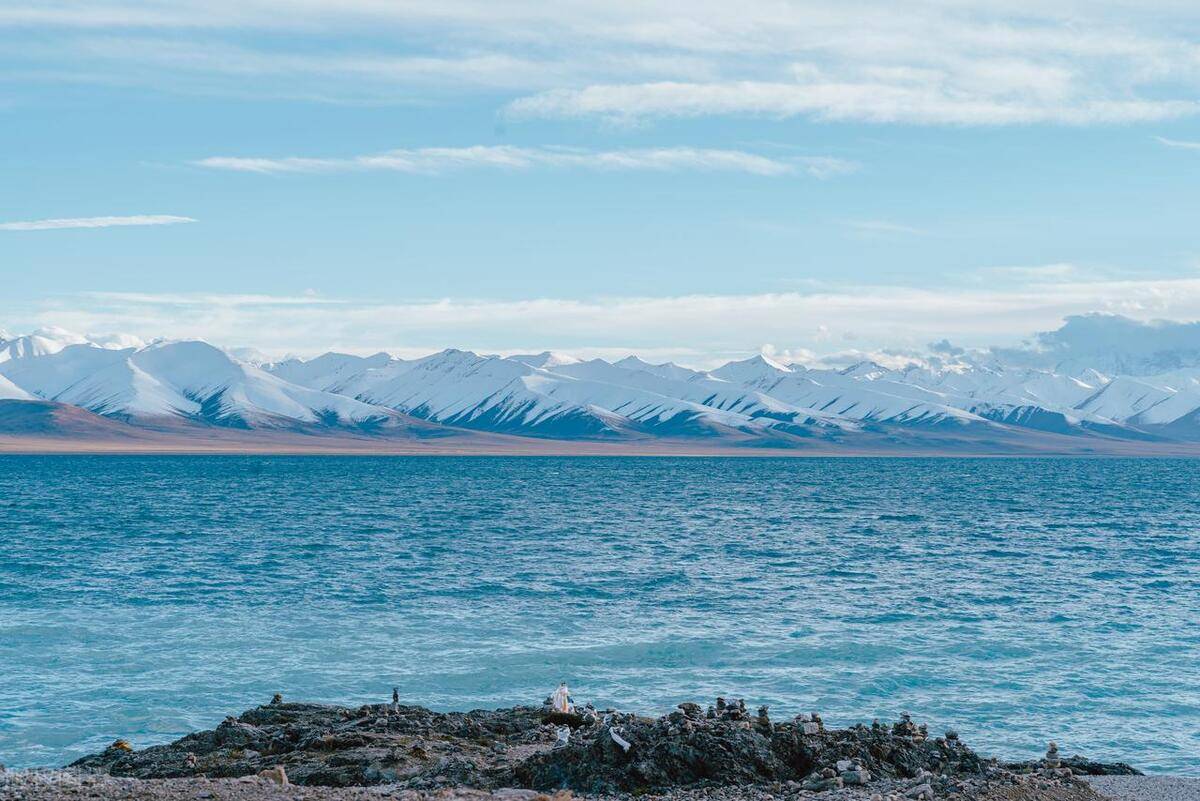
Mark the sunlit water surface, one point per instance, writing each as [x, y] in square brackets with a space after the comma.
[1016, 601]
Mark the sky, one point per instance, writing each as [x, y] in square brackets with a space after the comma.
[694, 181]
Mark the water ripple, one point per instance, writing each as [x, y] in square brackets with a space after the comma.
[1014, 600]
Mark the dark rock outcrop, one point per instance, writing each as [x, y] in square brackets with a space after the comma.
[1079, 766]
[605, 753]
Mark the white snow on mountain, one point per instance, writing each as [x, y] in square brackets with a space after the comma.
[863, 392]
[191, 380]
[552, 394]
[10, 391]
[41, 342]
[465, 389]
[342, 373]
[544, 359]
[667, 370]
[698, 388]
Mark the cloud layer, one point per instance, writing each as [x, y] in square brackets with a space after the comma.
[433, 160]
[926, 62]
[902, 100]
[692, 329]
[94, 222]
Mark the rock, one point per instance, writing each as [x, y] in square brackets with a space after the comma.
[276, 699]
[856, 776]
[562, 737]
[905, 727]
[1079, 766]
[1052, 760]
[921, 791]
[120, 745]
[818, 784]
[412, 748]
[1087, 767]
[276, 774]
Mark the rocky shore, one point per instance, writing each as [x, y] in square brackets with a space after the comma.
[724, 752]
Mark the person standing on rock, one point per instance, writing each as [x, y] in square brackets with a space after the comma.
[561, 700]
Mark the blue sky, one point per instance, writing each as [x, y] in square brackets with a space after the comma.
[695, 181]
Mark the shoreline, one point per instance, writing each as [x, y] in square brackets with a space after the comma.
[726, 752]
[34, 446]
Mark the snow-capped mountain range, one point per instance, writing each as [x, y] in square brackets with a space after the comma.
[756, 401]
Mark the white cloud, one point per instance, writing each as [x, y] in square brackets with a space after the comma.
[1058, 271]
[1110, 343]
[94, 222]
[1178, 143]
[211, 300]
[433, 160]
[866, 101]
[827, 166]
[883, 227]
[925, 62]
[691, 329]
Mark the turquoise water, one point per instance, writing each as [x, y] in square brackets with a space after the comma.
[1014, 600]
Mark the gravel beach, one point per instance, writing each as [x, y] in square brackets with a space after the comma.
[70, 786]
[1146, 788]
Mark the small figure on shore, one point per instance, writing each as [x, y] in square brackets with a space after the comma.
[720, 705]
[561, 701]
[764, 721]
[395, 695]
[1052, 759]
[276, 699]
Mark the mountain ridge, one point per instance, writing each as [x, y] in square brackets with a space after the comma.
[191, 388]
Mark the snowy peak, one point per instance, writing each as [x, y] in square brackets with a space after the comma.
[865, 369]
[189, 380]
[41, 342]
[550, 394]
[757, 370]
[342, 373]
[545, 359]
[664, 370]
